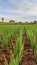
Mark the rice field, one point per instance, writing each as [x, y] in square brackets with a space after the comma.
[18, 44]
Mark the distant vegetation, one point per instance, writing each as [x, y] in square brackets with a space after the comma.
[13, 21]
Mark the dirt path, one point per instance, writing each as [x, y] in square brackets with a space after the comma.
[28, 58]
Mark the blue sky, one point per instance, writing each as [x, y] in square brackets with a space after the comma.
[18, 10]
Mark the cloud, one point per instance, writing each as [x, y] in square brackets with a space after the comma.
[32, 10]
[19, 5]
[19, 10]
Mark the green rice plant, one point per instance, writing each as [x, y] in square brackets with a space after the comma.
[18, 50]
[8, 31]
[32, 41]
[5, 63]
[35, 54]
[12, 59]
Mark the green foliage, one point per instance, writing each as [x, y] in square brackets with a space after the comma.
[18, 50]
[32, 40]
[8, 31]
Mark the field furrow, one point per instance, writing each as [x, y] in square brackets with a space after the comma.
[28, 57]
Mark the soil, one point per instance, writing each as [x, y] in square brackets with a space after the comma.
[6, 52]
[9, 48]
[1, 55]
[28, 57]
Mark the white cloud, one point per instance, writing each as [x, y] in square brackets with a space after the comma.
[32, 10]
[20, 5]
[19, 10]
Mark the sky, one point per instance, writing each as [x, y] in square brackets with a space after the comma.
[18, 10]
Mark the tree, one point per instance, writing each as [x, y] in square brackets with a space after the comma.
[13, 21]
[35, 21]
[26, 21]
[20, 22]
[2, 19]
